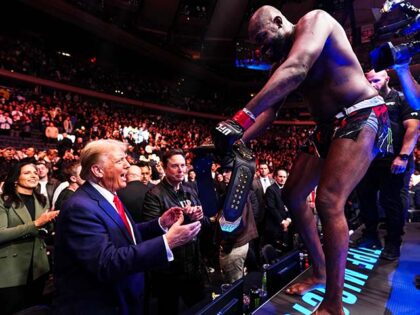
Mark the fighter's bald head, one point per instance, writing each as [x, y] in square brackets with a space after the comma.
[261, 17]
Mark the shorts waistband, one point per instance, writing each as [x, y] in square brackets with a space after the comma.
[372, 102]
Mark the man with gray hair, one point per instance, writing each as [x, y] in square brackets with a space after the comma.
[101, 253]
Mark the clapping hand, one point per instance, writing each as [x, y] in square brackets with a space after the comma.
[46, 218]
[195, 213]
[181, 234]
[170, 216]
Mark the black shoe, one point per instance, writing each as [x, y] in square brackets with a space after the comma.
[371, 242]
[391, 252]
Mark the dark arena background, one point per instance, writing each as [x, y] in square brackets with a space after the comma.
[159, 75]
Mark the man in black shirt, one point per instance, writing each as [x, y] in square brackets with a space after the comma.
[185, 275]
[389, 175]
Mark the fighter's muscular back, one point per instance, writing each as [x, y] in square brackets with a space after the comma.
[321, 61]
[336, 79]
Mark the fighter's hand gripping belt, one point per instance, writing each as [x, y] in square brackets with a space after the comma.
[227, 132]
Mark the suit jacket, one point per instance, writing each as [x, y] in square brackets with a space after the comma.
[98, 268]
[20, 246]
[51, 186]
[132, 197]
[276, 211]
[257, 187]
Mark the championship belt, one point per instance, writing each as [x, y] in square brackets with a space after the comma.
[239, 185]
[242, 161]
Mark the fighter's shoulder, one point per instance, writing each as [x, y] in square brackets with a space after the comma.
[316, 15]
[316, 19]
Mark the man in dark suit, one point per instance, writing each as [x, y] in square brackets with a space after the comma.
[101, 254]
[259, 186]
[138, 185]
[277, 219]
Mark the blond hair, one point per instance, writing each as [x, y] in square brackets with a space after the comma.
[95, 151]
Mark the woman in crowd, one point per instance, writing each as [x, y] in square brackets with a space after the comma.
[23, 256]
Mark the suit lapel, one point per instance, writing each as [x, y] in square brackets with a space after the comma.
[38, 208]
[108, 209]
[260, 185]
[23, 213]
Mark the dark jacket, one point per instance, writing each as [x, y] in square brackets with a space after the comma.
[133, 196]
[159, 199]
[98, 268]
[276, 211]
[259, 192]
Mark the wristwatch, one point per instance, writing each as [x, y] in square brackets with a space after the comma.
[403, 157]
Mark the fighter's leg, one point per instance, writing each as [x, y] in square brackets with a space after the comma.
[303, 178]
[346, 163]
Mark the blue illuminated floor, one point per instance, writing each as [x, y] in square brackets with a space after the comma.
[372, 286]
[405, 298]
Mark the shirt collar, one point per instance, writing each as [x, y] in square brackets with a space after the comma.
[109, 196]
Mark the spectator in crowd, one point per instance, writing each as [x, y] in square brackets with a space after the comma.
[158, 173]
[259, 186]
[6, 162]
[68, 125]
[219, 182]
[145, 174]
[47, 184]
[389, 176]
[277, 218]
[191, 175]
[133, 194]
[185, 275]
[30, 153]
[26, 131]
[72, 176]
[17, 125]
[24, 262]
[100, 253]
[64, 144]
[51, 133]
[5, 123]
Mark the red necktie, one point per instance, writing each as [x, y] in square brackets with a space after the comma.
[121, 212]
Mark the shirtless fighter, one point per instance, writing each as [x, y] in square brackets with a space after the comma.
[352, 126]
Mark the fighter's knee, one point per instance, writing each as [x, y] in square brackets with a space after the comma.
[328, 202]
